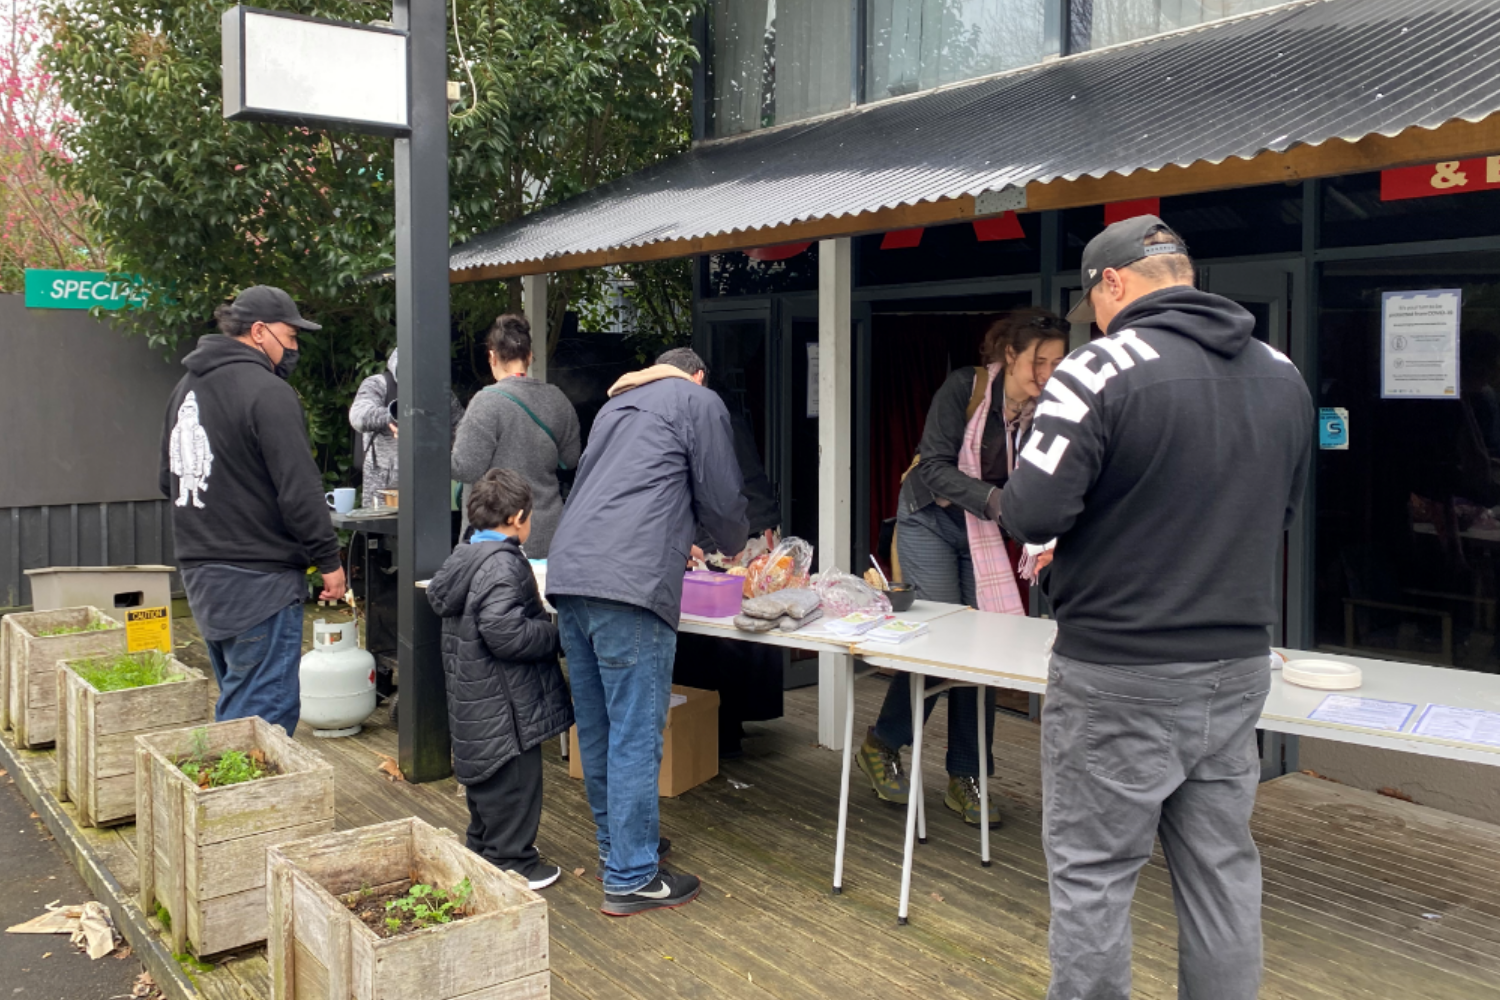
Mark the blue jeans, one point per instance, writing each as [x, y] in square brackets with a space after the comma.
[257, 671]
[933, 546]
[620, 669]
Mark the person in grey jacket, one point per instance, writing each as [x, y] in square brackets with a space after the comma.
[370, 414]
[519, 423]
[660, 461]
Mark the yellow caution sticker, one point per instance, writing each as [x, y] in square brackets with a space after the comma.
[148, 628]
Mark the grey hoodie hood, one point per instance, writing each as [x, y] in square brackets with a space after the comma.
[391, 364]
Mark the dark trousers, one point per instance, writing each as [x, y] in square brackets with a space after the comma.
[505, 811]
[933, 545]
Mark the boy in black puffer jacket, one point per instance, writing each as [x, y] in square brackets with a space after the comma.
[506, 692]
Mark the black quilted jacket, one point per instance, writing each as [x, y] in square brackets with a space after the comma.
[506, 692]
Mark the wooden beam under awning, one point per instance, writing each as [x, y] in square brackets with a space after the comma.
[1452, 141]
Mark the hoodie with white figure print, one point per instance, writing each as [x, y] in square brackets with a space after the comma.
[1167, 458]
[236, 462]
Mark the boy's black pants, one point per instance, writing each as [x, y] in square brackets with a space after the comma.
[505, 811]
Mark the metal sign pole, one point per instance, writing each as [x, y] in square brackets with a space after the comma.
[422, 337]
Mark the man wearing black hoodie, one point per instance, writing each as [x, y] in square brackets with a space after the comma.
[248, 514]
[1167, 459]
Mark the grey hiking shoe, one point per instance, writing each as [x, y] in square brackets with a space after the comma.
[882, 766]
[963, 798]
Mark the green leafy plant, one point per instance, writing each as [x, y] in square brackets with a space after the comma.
[426, 905]
[127, 670]
[232, 767]
[102, 625]
[393, 924]
[558, 99]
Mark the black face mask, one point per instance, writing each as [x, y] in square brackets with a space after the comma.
[288, 363]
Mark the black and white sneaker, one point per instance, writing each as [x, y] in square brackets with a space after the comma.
[663, 893]
[542, 876]
[663, 846]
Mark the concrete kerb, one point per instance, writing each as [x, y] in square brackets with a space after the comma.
[133, 925]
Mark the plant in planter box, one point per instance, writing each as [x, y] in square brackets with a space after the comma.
[104, 703]
[36, 641]
[485, 934]
[201, 846]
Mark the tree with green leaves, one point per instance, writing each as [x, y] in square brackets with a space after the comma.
[558, 98]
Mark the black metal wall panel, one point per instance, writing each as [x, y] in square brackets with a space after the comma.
[116, 534]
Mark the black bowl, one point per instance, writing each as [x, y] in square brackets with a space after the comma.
[901, 596]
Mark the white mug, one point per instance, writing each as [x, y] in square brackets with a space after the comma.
[341, 500]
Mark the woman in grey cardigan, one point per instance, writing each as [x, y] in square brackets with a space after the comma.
[519, 423]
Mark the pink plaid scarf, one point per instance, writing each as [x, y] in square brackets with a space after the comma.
[994, 579]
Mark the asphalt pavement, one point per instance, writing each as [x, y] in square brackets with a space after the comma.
[33, 873]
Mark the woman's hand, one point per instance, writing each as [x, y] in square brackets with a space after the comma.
[1045, 559]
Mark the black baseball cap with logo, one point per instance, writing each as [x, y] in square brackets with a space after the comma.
[1119, 246]
[265, 304]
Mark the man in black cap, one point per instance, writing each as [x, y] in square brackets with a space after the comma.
[248, 513]
[1167, 459]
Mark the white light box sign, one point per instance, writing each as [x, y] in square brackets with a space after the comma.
[304, 71]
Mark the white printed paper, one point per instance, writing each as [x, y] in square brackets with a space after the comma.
[812, 381]
[1366, 713]
[1463, 725]
[1419, 344]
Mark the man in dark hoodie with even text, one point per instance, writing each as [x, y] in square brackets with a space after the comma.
[1167, 459]
[660, 461]
[248, 514]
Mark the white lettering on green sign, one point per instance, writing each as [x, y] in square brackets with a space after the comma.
[80, 290]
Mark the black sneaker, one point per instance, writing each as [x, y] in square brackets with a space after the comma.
[665, 892]
[542, 876]
[663, 846]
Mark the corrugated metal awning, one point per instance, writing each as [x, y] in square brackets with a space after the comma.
[1310, 89]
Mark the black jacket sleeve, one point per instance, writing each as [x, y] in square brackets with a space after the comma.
[282, 436]
[501, 612]
[165, 472]
[718, 504]
[942, 439]
[1060, 459]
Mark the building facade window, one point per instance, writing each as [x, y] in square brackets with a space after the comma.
[915, 45]
[777, 61]
[1097, 23]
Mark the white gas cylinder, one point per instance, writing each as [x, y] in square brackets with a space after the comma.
[338, 680]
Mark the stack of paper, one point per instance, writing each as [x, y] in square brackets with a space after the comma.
[856, 624]
[896, 631]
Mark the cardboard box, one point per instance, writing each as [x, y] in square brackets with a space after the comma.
[690, 743]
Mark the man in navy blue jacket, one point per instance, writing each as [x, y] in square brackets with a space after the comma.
[660, 462]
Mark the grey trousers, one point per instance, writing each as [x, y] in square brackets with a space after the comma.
[1130, 754]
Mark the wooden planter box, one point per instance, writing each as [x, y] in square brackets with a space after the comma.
[202, 852]
[96, 733]
[318, 949]
[31, 675]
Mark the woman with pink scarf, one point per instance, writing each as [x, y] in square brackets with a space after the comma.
[949, 544]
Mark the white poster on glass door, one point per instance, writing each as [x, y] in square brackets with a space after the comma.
[1419, 344]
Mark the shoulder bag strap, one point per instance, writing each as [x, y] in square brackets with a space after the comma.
[536, 420]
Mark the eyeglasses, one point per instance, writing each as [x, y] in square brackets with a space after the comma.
[1048, 322]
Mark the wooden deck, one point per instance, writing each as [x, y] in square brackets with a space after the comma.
[1366, 897]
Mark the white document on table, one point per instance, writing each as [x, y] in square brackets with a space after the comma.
[1367, 713]
[1465, 725]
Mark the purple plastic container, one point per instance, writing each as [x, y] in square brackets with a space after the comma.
[711, 595]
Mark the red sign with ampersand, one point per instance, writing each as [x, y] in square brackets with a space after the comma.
[1448, 177]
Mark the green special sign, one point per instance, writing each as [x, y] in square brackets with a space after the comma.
[79, 290]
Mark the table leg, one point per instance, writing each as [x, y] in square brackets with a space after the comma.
[918, 690]
[838, 851]
[984, 787]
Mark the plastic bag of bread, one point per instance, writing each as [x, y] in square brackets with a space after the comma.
[747, 624]
[787, 565]
[843, 594]
[794, 602]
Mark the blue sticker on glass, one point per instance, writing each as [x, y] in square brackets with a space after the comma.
[1333, 428]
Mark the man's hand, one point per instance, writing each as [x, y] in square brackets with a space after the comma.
[334, 586]
[394, 433]
[695, 557]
